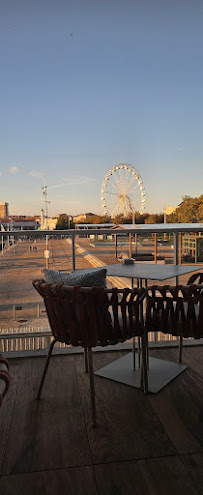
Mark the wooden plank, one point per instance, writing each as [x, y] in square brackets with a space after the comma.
[73, 481]
[6, 410]
[127, 426]
[49, 433]
[179, 404]
[193, 358]
[145, 477]
[194, 465]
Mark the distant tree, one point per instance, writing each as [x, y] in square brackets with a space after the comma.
[190, 210]
[155, 218]
[64, 222]
[119, 219]
[100, 219]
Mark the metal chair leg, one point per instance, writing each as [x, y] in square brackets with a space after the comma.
[147, 350]
[134, 354]
[92, 390]
[86, 360]
[180, 350]
[45, 368]
[139, 351]
[144, 370]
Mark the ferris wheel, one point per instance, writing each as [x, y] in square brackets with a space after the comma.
[122, 191]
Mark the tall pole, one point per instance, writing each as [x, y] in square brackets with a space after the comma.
[116, 244]
[47, 249]
[44, 189]
[155, 248]
[130, 245]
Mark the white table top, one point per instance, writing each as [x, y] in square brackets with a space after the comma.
[150, 271]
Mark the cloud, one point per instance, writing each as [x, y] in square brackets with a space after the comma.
[36, 174]
[14, 170]
[73, 181]
[65, 202]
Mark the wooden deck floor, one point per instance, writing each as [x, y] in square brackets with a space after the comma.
[143, 445]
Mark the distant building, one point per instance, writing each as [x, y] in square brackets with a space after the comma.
[192, 248]
[20, 222]
[3, 210]
[47, 223]
[83, 217]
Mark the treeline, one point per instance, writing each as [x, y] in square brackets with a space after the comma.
[190, 210]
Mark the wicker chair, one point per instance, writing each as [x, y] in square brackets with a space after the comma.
[196, 278]
[89, 317]
[4, 377]
[177, 310]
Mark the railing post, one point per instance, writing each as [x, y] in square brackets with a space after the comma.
[195, 248]
[135, 243]
[130, 245]
[73, 251]
[155, 248]
[38, 310]
[175, 243]
[116, 244]
[180, 248]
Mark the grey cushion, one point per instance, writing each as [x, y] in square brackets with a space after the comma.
[84, 278]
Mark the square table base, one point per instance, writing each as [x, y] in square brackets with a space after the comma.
[160, 372]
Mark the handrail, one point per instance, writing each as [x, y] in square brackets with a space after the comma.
[139, 229]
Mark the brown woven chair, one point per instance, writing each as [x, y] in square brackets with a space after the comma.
[89, 317]
[4, 377]
[177, 310]
[196, 278]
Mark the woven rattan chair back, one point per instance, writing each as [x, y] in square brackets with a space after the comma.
[89, 317]
[196, 278]
[175, 310]
[4, 377]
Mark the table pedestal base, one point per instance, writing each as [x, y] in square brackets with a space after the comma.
[160, 372]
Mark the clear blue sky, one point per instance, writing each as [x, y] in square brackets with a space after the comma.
[86, 84]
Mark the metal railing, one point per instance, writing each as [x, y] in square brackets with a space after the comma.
[38, 337]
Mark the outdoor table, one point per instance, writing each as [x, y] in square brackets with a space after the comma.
[149, 271]
[160, 372]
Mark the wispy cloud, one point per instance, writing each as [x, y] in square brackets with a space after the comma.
[74, 181]
[36, 174]
[14, 170]
[66, 202]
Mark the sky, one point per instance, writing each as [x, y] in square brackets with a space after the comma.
[87, 84]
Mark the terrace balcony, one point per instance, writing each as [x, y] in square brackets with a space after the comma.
[143, 444]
